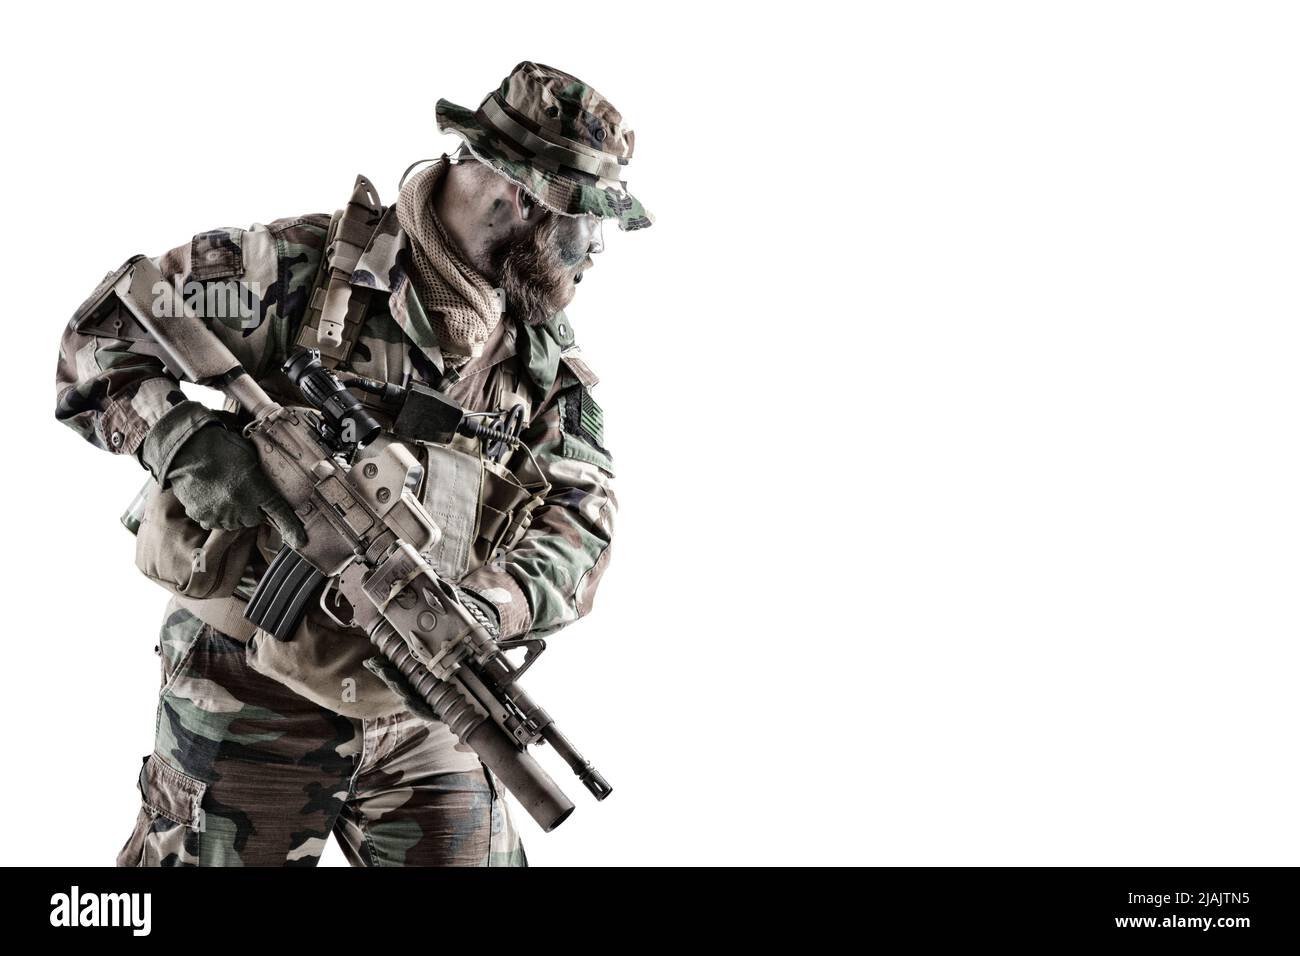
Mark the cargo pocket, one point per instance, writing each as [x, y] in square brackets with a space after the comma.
[169, 827]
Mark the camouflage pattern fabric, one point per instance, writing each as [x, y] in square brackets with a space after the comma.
[111, 395]
[246, 773]
[245, 770]
[558, 138]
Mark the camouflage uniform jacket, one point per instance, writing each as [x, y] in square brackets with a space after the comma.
[112, 396]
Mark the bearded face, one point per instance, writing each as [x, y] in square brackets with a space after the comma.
[540, 269]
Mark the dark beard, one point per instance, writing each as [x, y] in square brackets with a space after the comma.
[534, 274]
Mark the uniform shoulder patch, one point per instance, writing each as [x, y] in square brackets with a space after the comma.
[583, 417]
[217, 254]
[583, 423]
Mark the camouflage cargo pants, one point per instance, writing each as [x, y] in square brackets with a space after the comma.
[246, 772]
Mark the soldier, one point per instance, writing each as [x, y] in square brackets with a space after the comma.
[263, 748]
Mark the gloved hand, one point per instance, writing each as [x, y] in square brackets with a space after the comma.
[215, 474]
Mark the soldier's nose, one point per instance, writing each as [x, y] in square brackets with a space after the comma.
[597, 238]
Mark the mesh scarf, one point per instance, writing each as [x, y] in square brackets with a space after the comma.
[462, 306]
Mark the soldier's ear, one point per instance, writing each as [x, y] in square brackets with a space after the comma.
[524, 205]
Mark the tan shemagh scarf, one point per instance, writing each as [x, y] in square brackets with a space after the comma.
[462, 306]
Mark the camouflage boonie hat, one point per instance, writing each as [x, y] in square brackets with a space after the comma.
[557, 138]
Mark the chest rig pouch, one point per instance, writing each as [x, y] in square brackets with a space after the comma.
[482, 506]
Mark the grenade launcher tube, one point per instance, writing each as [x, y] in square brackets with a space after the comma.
[522, 775]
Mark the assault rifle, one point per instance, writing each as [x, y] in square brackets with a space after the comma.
[354, 487]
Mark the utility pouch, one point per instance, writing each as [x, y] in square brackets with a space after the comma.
[481, 507]
[506, 507]
[175, 551]
[324, 664]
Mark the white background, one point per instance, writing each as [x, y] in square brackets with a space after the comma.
[953, 397]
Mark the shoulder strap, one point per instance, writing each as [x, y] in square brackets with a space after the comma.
[336, 309]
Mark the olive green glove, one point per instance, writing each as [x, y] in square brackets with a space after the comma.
[215, 474]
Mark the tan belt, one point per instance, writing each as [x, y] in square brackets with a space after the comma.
[226, 614]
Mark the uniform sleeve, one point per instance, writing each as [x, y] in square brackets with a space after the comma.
[251, 285]
[549, 578]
